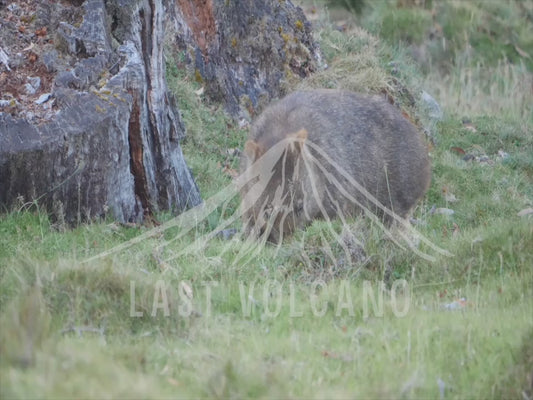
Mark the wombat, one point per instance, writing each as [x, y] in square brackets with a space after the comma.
[329, 153]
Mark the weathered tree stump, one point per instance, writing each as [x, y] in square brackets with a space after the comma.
[104, 138]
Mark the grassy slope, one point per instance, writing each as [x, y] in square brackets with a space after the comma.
[66, 329]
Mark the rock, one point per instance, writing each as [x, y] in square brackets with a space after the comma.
[244, 51]
[430, 105]
[33, 85]
[43, 98]
[50, 60]
[4, 59]
[66, 79]
[110, 145]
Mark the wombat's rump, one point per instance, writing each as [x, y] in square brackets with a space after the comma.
[326, 153]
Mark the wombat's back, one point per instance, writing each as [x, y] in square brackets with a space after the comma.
[365, 135]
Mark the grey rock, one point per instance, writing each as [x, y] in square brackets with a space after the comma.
[13, 7]
[4, 59]
[43, 98]
[33, 85]
[243, 51]
[227, 234]
[66, 79]
[50, 60]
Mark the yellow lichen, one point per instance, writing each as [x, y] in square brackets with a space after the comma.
[198, 76]
[234, 42]
[299, 25]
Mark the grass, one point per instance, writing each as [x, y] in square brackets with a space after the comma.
[66, 324]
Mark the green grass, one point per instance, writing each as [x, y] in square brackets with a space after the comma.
[66, 328]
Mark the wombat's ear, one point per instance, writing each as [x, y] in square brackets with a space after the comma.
[299, 138]
[251, 149]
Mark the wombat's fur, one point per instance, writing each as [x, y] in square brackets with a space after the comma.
[309, 154]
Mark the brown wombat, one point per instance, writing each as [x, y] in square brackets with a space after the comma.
[329, 153]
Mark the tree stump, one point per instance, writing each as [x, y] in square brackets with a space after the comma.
[101, 134]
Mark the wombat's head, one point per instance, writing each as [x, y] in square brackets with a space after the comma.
[272, 197]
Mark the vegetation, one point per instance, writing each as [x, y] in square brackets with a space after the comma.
[66, 324]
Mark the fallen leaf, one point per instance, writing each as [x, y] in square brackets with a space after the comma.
[525, 211]
[233, 152]
[230, 171]
[335, 356]
[31, 46]
[521, 52]
[41, 32]
[457, 150]
[173, 382]
[469, 126]
[458, 304]
[456, 230]
[187, 290]
[32, 57]
[450, 198]
[444, 211]
[22, 29]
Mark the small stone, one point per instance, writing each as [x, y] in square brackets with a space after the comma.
[50, 60]
[33, 85]
[43, 98]
[13, 7]
[503, 154]
[4, 59]
[227, 234]
[30, 90]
